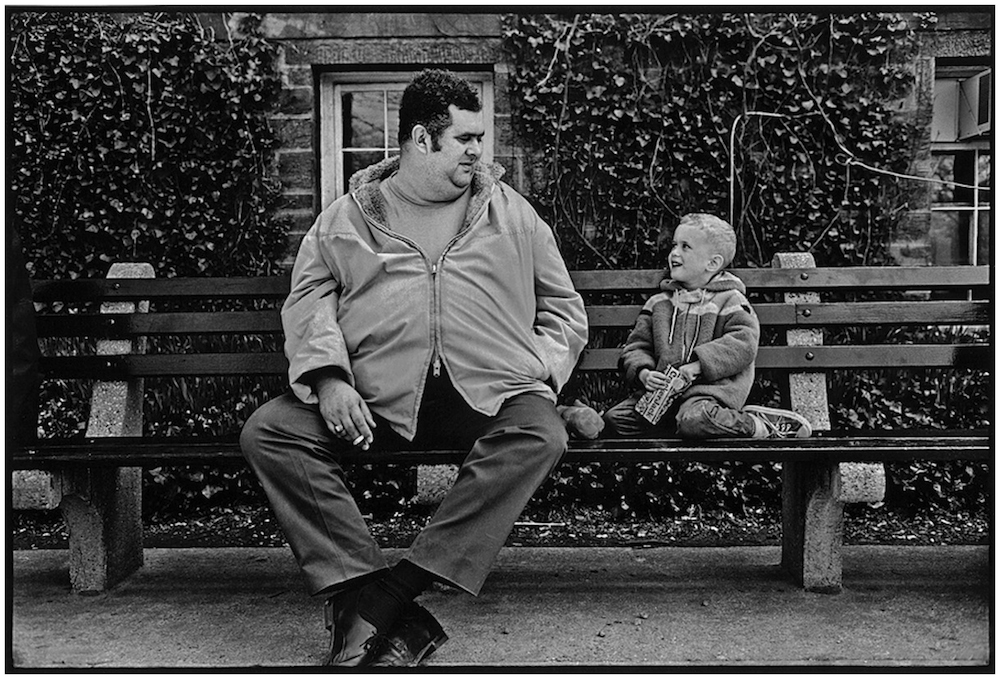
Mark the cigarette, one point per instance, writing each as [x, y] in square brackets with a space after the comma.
[357, 440]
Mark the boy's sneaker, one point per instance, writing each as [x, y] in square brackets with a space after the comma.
[774, 423]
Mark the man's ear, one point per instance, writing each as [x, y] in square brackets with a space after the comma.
[421, 138]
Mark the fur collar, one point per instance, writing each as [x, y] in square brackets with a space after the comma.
[364, 185]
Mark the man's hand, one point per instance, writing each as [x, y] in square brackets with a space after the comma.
[345, 412]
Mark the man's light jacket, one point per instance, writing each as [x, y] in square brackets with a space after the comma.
[497, 310]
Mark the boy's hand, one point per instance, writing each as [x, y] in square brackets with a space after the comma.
[653, 379]
[691, 371]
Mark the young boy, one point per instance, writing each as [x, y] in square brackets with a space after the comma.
[702, 325]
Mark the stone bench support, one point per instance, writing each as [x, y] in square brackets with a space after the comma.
[102, 506]
[814, 493]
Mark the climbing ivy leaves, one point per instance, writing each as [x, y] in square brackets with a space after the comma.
[141, 137]
[767, 119]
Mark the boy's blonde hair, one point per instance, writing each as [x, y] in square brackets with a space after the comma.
[719, 232]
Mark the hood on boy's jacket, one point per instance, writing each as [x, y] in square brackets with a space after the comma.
[720, 282]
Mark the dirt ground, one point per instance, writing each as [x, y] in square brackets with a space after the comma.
[604, 609]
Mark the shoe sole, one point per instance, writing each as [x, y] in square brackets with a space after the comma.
[438, 635]
[433, 645]
[805, 429]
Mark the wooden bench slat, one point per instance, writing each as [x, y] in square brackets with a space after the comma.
[600, 316]
[862, 446]
[111, 368]
[927, 312]
[643, 280]
[829, 313]
[120, 289]
[780, 280]
[274, 363]
[830, 357]
[180, 323]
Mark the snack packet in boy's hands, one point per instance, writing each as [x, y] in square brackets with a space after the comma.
[654, 404]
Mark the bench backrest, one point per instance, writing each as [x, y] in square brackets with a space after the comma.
[854, 297]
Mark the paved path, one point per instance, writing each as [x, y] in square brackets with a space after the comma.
[610, 607]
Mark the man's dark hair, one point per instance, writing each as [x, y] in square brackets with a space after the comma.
[427, 98]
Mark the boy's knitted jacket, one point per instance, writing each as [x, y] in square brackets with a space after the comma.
[714, 325]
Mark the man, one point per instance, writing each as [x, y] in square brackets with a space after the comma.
[430, 307]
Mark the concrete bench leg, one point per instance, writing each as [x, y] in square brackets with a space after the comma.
[103, 512]
[812, 518]
[813, 496]
[102, 506]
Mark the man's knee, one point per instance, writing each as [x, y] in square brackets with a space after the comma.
[250, 434]
[264, 422]
[548, 429]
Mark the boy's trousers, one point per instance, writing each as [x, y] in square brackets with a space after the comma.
[698, 417]
[298, 462]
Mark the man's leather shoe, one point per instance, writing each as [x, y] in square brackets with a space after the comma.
[354, 642]
[414, 637]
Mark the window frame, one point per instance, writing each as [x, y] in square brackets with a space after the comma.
[330, 83]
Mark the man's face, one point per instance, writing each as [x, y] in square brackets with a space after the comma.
[691, 257]
[457, 150]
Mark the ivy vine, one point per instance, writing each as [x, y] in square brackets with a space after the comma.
[142, 138]
[640, 118]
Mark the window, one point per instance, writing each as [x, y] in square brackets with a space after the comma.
[359, 123]
[960, 213]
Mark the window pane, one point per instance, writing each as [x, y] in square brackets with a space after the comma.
[944, 169]
[948, 239]
[394, 97]
[364, 119]
[909, 245]
[359, 160]
[983, 238]
[985, 177]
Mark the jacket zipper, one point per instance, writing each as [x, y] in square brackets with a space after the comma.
[435, 351]
[435, 334]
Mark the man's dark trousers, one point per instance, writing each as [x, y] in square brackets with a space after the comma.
[298, 461]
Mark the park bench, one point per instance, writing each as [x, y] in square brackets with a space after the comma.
[97, 477]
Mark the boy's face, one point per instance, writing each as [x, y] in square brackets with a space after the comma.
[692, 260]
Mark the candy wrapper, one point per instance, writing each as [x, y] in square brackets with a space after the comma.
[654, 404]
